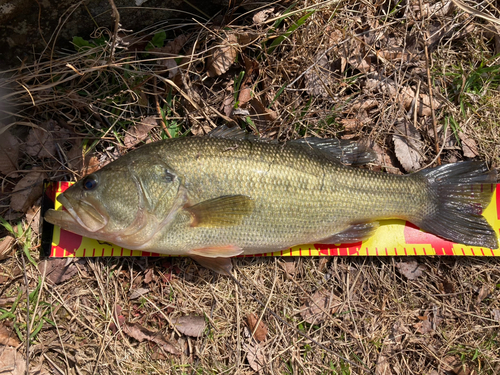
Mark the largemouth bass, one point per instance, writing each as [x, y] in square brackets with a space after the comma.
[230, 193]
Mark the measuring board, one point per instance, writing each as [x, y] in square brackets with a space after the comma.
[393, 237]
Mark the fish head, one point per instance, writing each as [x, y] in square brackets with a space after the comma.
[125, 203]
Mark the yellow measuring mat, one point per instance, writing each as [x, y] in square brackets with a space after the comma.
[393, 237]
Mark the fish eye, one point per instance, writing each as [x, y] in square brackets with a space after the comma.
[90, 183]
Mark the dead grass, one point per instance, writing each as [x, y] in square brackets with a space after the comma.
[350, 70]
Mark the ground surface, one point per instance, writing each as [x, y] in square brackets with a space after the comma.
[415, 80]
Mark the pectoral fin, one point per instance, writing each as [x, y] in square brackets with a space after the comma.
[222, 211]
[222, 266]
[354, 233]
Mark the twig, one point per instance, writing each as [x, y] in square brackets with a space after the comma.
[158, 109]
[429, 85]
[116, 16]
[28, 321]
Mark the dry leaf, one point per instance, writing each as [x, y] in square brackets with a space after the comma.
[137, 293]
[260, 332]
[244, 96]
[402, 94]
[91, 166]
[6, 246]
[33, 218]
[411, 270]
[11, 362]
[58, 270]
[174, 46]
[318, 78]
[288, 265]
[483, 293]
[77, 160]
[364, 105]
[223, 57]
[140, 333]
[27, 191]
[5, 302]
[139, 132]
[255, 355]
[469, 146]
[261, 114]
[319, 307]
[383, 366]
[245, 38]
[360, 63]
[425, 326]
[190, 325]
[8, 337]
[148, 276]
[495, 313]
[262, 16]
[408, 146]
[9, 154]
[40, 143]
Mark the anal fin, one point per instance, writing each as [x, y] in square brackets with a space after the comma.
[354, 233]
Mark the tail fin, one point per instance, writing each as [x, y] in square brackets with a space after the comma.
[461, 192]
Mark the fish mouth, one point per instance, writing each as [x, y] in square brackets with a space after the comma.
[87, 220]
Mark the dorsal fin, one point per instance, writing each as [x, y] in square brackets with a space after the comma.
[346, 152]
[235, 133]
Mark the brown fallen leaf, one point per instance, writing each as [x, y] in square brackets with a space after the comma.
[260, 331]
[318, 79]
[383, 366]
[262, 16]
[33, 218]
[174, 46]
[411, 270]
[190, 325]
[402, 94]
[27, 191]
[319, 307]
[149, 276]
[136, 293]
[223, 56]
[11, 362]
[141, 334]
[495, 313]
[8, 337]
[424, 326]
[40, 142]
[483, 293]
[244, 96]
[288, 265]
[139, 132]
[9, 154]
[255, 355]
[5, 302]
[58, 270]
[408, 146]
[6, 246]
[469, 146]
